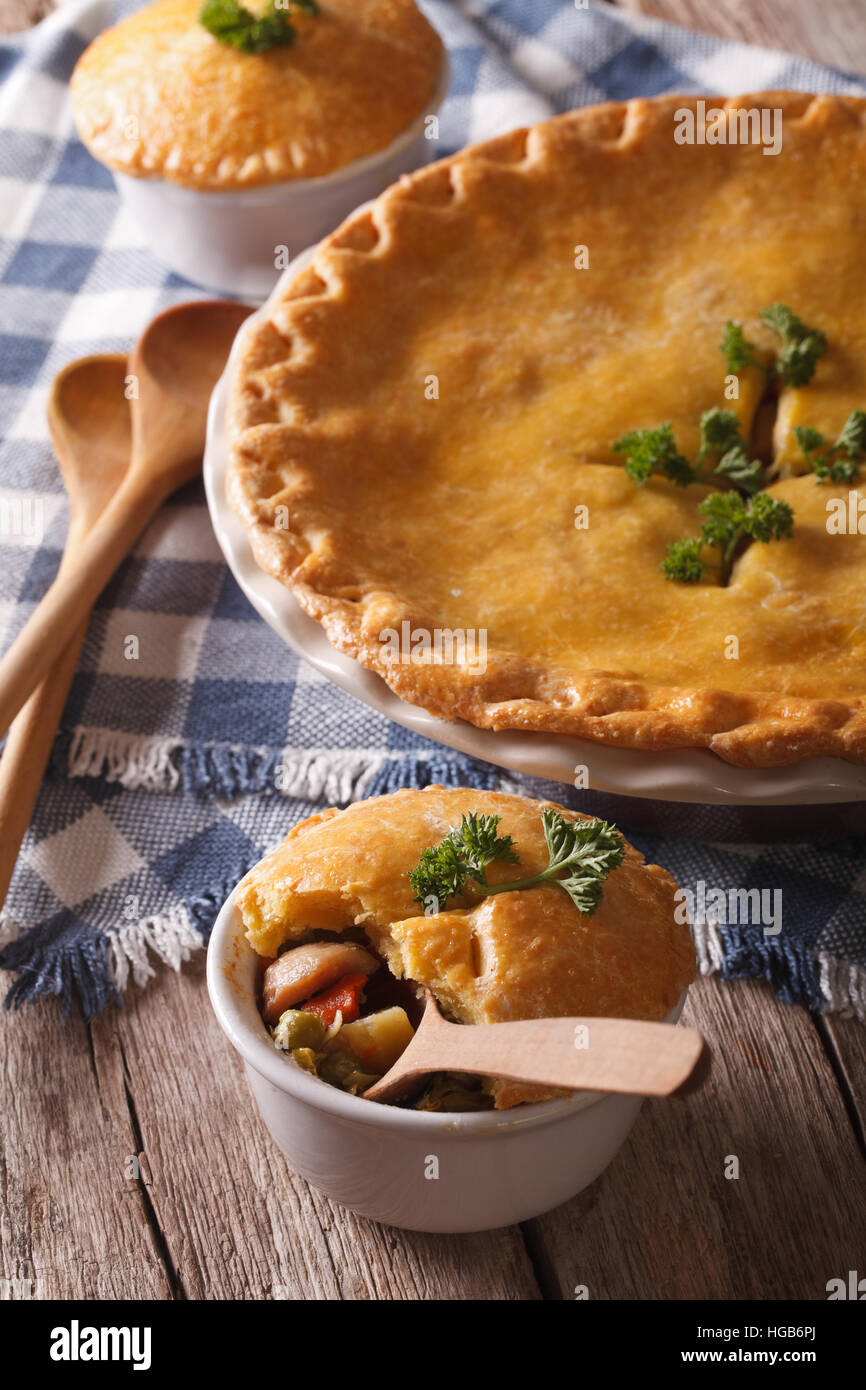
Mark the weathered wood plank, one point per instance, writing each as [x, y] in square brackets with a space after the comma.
[237, 1222]
[665, 1222]
[71, 1221]
[833, 33]
[845, 1039]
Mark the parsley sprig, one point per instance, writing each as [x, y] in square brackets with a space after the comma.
[738, 352]
[234, 24]
[802, 346]
[746, 512]
[465, 853]
[729, 519]
[721, 435]
[655, 450]
[839, 462]
[580, 856]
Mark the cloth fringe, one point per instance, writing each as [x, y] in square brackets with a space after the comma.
[75, 968]
[136, 762]
[708, 946]
[843, 986]
[819, 981]
[171, 937]
[145, 763]
[97, 966]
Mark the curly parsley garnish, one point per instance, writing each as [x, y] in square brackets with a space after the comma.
[801, 346]
[839, 462]
[465, 853]
[720, 431]
[729, 519]
[580, 856]
[738, 352]
[234, 24]
[654, 451]
[720, 435]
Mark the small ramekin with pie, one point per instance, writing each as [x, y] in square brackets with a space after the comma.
[238, 134]
[409, 888]
[318, 960]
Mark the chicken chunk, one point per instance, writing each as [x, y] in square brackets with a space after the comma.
[306, 970]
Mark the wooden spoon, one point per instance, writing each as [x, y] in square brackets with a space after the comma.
[90, 424]
[174, 369]
[587, 1054]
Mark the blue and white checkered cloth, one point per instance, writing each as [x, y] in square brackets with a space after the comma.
[162, 788]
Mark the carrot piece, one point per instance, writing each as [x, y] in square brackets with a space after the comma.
[342, 997]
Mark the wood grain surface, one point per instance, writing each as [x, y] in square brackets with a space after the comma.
[211, 1210]
[216, 1212]
[831, 31]
[666, 1221]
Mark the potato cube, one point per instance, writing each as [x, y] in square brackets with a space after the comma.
[379, 1039]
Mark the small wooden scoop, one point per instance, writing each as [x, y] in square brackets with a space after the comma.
[89, 419]
[173, 371]
[586, 1054]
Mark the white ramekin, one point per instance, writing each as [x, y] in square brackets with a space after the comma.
[228, 241]
[423, 1172]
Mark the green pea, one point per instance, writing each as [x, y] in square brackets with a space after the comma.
[297, 1029]
[339, 1067]
[305, 1058]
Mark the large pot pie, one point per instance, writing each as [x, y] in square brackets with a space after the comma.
[419, 418]
[337, 898]
[159, 96]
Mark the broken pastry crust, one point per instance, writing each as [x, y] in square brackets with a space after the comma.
[454, 510]
[527, 954]
[157, 96]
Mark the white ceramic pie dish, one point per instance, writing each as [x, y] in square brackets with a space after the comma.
[494, 1167]
[676, 776]
[229, 241]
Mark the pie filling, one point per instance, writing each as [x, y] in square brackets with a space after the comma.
[340, 1014]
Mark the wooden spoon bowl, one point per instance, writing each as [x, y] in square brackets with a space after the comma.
[184, 349]
[91, 428]
[172, 373]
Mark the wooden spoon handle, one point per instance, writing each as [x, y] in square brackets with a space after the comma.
[594, 1054]
[73, 593]
[26, 755]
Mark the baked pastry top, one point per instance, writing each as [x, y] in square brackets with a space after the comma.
[434, 397]
[526, 954]
[158, 96]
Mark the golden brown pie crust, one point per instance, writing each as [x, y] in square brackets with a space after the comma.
[158, 96]
[457, 511]
[528, 954]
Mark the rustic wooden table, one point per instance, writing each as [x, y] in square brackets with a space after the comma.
[215, 1212]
